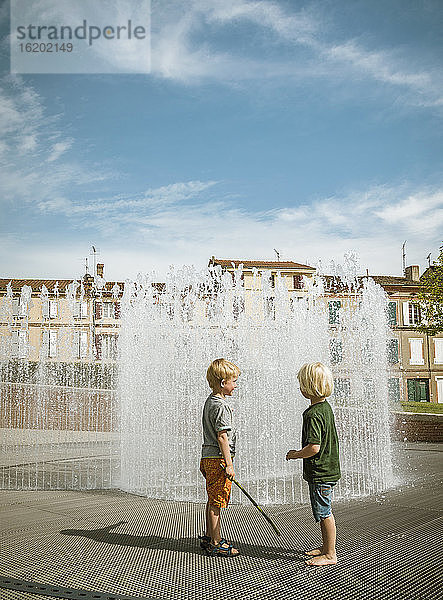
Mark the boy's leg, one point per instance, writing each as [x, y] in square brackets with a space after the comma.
[214, 528]
[213, 513]
[320, 496]
[207, 530]
[328, 555]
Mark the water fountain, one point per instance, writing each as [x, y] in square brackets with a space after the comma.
[168, 336]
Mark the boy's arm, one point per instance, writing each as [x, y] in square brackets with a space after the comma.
[222, 438]
[306, 452]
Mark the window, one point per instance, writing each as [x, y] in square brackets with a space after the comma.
[80, 344]
[108, 310]
[368, 390]
[342, 389]
[394, 389]
[416, 351]
[418, 390]
[49, 309]
[334, 312]
[20, 344]
[238, 306]
[109, 346]
[49, 344]
[297, 282]
[270, 307]
[367, 352]
[335, 351]
[392, 351]
[438, 351]
[19, 308]
[411, 314]
[80, 310]
[392, 313]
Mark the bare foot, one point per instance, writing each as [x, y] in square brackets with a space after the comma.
[315, 552]
[323, 559]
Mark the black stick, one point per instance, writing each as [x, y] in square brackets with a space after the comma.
[253, 502]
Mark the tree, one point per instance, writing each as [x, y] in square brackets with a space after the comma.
[430, 297]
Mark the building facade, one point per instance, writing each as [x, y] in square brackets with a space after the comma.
[60, 320]
[416, 359]
[68, 321]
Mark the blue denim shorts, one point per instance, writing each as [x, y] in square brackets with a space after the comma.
[320, 495]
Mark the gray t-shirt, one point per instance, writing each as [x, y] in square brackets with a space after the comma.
[217, 416]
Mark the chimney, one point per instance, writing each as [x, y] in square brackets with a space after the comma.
[412, 273]
[100, 268]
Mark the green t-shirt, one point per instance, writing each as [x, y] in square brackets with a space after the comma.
[319, 428]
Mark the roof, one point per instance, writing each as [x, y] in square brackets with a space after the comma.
[36, 284]
[259, 264]
[397, 281]
[333, 284]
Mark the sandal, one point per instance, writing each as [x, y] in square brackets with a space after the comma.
[205, 540]
[223, 548]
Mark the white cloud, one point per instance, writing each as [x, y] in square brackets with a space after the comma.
[58, 149]
[182, 52]
[191, 224]
[30, 139]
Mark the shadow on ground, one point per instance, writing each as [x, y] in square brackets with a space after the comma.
[190, 545]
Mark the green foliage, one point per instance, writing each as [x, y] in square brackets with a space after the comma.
[430, 298]
[423, 407]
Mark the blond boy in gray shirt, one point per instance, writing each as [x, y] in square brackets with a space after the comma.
[218, 449]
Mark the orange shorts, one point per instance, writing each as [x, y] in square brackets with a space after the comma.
[218, 486]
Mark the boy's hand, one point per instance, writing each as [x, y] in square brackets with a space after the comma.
[229, 470]
[292, 454]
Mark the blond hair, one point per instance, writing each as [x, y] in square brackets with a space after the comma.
[316, 380]
[221, 369]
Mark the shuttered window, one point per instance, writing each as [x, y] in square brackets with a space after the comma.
[80, 344]
[98, 310]
[20, 345]
[394, 389]
[109, 346]
[368, 390]
[393, 351]
[367, 353]
[52, 344]
[416, 351]
[98, 346]
[392, 313]
[405, 307]
[53, 309]
[117, 310]
[49, 344]
[334, 311]
[49, 309]
[438, 351]
[80, 310]
[342, 389]
[297, 282]
[19, 308]
[335, 351]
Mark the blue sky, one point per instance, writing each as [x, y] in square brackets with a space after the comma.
[311, 127]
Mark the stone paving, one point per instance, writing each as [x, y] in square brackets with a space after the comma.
[111, 545]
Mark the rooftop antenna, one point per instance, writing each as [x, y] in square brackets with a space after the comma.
[404, 256]
[86, 266]
[278, 254]
[428, 258]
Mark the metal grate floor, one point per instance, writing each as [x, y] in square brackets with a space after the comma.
[114, 546]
